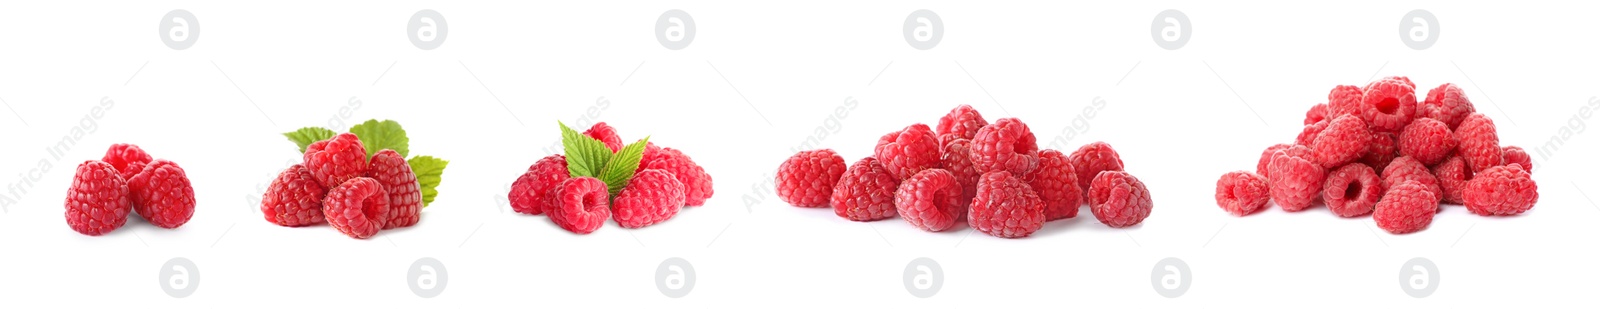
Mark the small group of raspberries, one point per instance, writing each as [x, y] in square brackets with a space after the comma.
[580, 199]
[104, 191]
[992, 175]
[1378, 150]
[339, 185]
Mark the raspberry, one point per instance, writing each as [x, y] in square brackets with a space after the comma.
[1118, 199]
[1384, 149]
[294, 198]
[1453, 175]
[1266, 157]
[1448, 104]
[930, 200]
[1310, 132]
[1344, 100]
[1006, 145]
[1352, 190]
[97, 202]
[904, 153]
[1427, 140]
[963, 122]
[1295, 181]
[957, 158]
[1479, 144]
[580, 205]
[530, 193]
[1501, 191]
[1092, 159]
[1406, 169]
[606, 134]
[1241, 193]
[162, 194]
[1515, 155]
[1344, 141]
[1405, 208]
[1401, 79]
[866, 192]
[1389, 104]
[807, 178]
[1057, 184]
[652, 196]
[1317, 113]
[335, 160]
[404, 194]
[128, 159]
[696, 182]
[1005, 207]
[358, 208]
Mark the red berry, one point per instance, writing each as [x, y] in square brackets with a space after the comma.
[1006, 145]
[1119, 200]
[1448, 104]
[652, 196]
[335, 160]
[1056, 182]
[1384, 148]
[696, 182]
[1309, 133]
[1317, 113]
[1344, 100]
[1389, 104]
[1427, 140]
[930, 200]
[807, 178]
[1501, 191]
[97, 202]
[1405, 208]
[530, 193]
[1479, 144]
[294, 198]
[866, 192]
[963, 122]
[1005, 207]
[404, 194]
[606, 134]
[1406, 169]
[1241, 193]
[1295, 181]
[1402, 80]
[957, 158]
[580, 205]
[128, 159]
[1352, 190]
[1344, 141]
[1266, 157]
[1092, 159]
[358, 208]
[1453, 175]
[904, 153]
[162, 194]
[1515, 155]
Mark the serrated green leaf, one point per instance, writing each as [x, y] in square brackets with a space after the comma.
[585, 155]
[307, 135]
[387, 134]
[430, 172]
[619, 170]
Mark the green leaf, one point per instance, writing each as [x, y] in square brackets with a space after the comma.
[430, 171]
[382, 135]
[619, 170]
[307, 135]
[585, 155]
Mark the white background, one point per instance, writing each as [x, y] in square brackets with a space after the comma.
[758, 80]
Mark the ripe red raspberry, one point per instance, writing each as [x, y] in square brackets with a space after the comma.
[1384, 148]
[162, 194]
[957, 158]
[606, 134]
[1402, 80]
[530, 193]
[963, 122]
[930, 200]
[1501, 191]
[1056, 182]
[807, 178]
[1388, 104]
[1241, 193]
[1344, 100]
[294, 198]
[1515, 155]
[1006, 145]
[1266, 157]
[1479, 144]
[1427, 140]
[358, 208]
[904, 153]
[1453, 175]
[405, 195]
[1119, 200]
[1295, 181]
[865, 192]
[97, 202]
[128, 159]
[580, 205]
[1405, 208]
[1092, 159]
[1406, 169]
[652, 196]
[1317, 113]
[335, 160]
[1352, 190]
[1344, 141]
[1448, 104]
[1309, 133]
[696, 182]
[1005, 207]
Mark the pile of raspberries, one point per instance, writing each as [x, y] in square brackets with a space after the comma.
[337, 184]
[665, 181]
[103, 191]
[1378, 150]
[991, 175]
